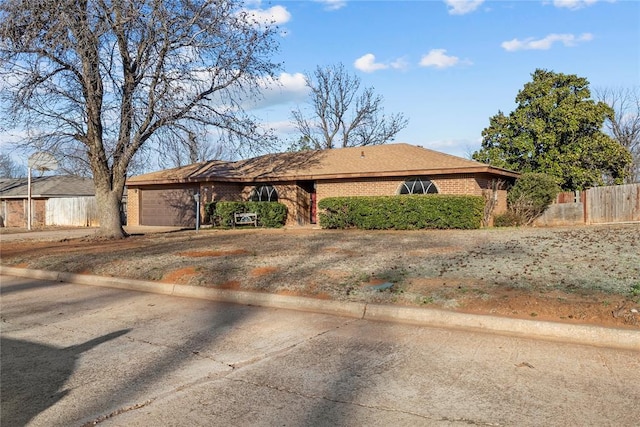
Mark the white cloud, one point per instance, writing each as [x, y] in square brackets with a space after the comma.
[400, 64]
[281, 127]
[333, 4]
[293, 83]
[285, 89]
[530, 43]
[368, 64]
[275, 15]
[456, 147]
[573, 4]
[461, 7]
[438, 58]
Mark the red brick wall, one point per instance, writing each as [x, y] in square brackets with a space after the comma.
[449, 184]
[296, 199]
[14, 212]
[458, 184]
[485, 182]
[133, 206]
[223, 191]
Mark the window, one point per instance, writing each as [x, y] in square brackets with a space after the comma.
[417, 186]
[264, 193]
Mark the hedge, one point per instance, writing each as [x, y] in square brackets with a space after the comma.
[402, 212]
[269, 214]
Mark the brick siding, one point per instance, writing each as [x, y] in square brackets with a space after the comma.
[297, 199]
[458, 184]
[14, 212]
[133, 206]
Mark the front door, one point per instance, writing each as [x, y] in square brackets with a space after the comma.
[308, 206]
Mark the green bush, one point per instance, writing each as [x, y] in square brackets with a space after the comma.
[401, 212]
[269, 214]
[531, 195]
[507, 219]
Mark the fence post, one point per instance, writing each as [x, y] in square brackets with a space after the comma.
[586, 206]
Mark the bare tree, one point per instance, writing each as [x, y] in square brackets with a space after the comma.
[624, 125]
[9, 168]
[111, 76]
[184, 146]
[341, 116]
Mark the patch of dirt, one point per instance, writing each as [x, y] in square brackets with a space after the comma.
[181, 276]
[263, 271]
[201, 254]
[587, 275]
[232, 285]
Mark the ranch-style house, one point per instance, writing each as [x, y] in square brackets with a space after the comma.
[301, 179]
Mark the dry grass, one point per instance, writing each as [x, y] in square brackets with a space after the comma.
[528, 272]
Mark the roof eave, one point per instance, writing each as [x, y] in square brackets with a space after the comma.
[386, 174]
[315, 177]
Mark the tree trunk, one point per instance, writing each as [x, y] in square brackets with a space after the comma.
[109, 202]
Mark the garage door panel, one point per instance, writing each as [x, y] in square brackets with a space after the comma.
[169, 206]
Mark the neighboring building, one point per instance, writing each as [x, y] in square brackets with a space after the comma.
[301, 179]
[55, 200]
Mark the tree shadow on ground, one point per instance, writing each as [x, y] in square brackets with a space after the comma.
[33, 375]
[37, 377]
[26, 286]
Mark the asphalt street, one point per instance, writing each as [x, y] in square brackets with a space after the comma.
[75, 355]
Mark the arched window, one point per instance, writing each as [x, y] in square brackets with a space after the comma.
[264, 193]
[417, 186]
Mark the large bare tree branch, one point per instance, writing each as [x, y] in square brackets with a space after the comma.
[624, 125]
[341, 116]
[117, 75]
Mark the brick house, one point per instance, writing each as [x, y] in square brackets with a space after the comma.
[55, 200]
[301, 179]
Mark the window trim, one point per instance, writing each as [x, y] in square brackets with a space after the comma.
[419, 179]
[258, 191]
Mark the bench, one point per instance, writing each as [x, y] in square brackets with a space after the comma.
[245, 218]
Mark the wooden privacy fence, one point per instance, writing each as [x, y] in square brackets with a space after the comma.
[72, 211]
[618, 203]
[598, 205]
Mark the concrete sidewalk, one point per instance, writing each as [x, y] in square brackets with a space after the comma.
[569, 333]
[12, 235]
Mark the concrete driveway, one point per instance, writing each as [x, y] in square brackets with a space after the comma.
[76, 355]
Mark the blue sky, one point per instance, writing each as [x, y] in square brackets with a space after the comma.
[449, 66]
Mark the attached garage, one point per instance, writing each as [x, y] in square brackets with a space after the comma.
[168, 206]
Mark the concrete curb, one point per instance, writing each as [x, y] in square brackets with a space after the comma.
[577, 334]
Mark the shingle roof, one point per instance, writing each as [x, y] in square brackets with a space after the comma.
[369, 161]
[47, 186]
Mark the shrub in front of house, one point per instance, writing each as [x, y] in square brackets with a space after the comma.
[507, 219]
[530, 196]
[433, 211]
[269, 214]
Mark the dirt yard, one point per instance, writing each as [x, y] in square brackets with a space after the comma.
[579, 275]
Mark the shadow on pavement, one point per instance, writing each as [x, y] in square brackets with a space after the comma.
[19, 287]
[33, 375]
